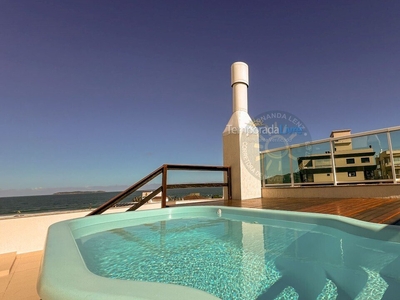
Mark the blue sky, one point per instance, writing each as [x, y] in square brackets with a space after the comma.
[97, 94]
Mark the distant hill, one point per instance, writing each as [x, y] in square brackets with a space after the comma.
[78, 192]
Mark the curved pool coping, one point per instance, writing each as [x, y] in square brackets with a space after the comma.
[64, 275]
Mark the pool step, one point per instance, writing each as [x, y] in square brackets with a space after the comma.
[6, 262]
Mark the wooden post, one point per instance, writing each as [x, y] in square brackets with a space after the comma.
[164, 187]
[229, 179]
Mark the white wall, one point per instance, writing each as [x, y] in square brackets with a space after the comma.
[28, 233]
[340, 191]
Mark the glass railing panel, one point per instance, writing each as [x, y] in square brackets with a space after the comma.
[312, 163]
[276, 167]
[364, 158]
[358, 159]
[395, 140]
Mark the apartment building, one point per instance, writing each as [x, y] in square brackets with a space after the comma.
[351, 164]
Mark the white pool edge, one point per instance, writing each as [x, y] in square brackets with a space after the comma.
[72, 280]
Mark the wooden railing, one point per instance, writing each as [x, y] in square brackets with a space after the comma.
[164, 186]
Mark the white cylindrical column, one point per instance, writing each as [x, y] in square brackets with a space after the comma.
[239, 83]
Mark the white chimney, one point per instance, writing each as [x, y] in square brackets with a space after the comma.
[241, 140]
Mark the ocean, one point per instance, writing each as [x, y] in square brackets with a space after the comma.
[66, 202]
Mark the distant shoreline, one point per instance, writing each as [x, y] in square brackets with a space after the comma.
[79, 192]
[83, 199]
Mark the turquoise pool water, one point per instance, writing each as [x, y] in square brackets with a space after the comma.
[229, 253]
[235, 259]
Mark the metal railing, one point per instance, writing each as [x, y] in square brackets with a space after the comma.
[164, 186]
[288, 159]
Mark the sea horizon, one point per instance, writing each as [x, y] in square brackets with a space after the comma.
[70, 201]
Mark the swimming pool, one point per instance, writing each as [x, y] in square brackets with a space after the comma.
[220, 253]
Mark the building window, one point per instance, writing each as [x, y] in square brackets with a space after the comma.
[322, 162]
[365, 159]
[351, 174]
[350, 161]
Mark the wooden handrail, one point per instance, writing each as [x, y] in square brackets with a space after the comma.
[145, 200]
[133, 188]
[164, 170]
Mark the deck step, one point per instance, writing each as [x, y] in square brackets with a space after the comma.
[6, 262]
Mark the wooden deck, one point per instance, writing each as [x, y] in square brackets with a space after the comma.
[385, 211]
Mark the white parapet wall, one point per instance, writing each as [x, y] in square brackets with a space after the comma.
[334, 192]
[27, 233]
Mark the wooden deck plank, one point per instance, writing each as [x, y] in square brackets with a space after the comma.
[376, 210]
